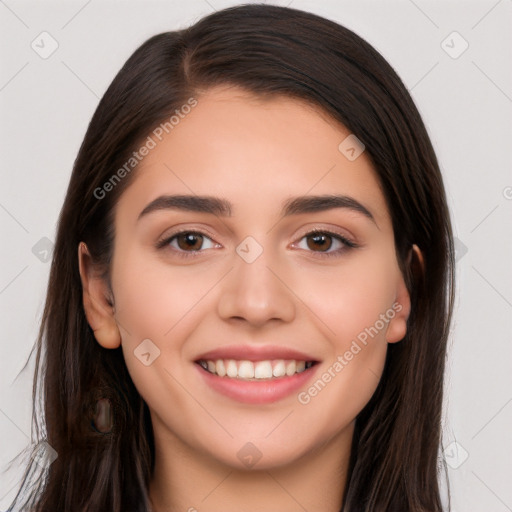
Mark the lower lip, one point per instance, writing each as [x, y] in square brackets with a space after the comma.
[254, 392]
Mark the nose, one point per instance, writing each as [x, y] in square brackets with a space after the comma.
[256, 292]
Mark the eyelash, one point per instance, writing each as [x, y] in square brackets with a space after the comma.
[348, 244]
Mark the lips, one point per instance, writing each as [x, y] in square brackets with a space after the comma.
[255, 353]
[255, 375]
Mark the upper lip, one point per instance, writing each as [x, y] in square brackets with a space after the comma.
[254, 353]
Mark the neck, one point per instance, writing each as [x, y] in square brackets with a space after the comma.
[187, 481]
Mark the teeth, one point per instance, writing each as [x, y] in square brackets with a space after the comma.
[231, 369]
[249, 370]
[263, 370]
[220, 370]
[279, 369]
[291, 368]
[245, 370]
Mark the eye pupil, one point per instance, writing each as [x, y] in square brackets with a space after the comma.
[190, 241]
[321, 241]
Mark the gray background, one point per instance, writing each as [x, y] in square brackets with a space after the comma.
[465, 98]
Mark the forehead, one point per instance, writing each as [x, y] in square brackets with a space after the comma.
[253, 150]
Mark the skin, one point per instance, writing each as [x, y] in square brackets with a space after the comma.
[255, 153]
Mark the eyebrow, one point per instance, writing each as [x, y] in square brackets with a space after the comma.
[223, 208]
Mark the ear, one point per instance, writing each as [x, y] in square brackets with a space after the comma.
[98, 306]
[397, 327]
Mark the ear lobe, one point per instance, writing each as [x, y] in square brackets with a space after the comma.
[397, 328]
[97, 305]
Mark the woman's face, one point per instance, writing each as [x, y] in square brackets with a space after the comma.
[299, 320]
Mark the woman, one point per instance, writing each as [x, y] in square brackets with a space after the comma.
[258, 314]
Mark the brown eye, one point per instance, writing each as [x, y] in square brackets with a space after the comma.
[319, 241]
[325, 243]
[189, 241]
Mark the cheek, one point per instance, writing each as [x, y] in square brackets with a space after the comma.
[352, 299]
[355, 305]
[153, 297]
[342, 387]
[157, 302]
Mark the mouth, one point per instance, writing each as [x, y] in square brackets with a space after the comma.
[255, 374]
[255, 371]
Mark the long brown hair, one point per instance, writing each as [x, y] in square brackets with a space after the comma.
[270, 51]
